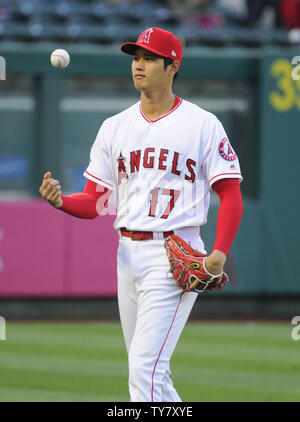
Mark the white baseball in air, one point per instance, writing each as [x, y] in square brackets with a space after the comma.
[60, 58]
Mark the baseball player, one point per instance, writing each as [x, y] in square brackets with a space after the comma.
[158, 159]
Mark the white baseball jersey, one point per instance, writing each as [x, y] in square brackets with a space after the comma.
[161, 171]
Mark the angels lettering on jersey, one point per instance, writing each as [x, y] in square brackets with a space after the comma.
[121, 168]
[154, 158]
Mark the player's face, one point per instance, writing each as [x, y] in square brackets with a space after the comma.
[148, 72]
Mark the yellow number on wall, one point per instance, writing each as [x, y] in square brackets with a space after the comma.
[285, 97]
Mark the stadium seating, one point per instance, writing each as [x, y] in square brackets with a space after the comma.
[103, 22]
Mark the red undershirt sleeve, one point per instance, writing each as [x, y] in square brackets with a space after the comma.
[86, 204]
[230, 212]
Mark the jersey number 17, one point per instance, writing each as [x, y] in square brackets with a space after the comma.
[174, 194]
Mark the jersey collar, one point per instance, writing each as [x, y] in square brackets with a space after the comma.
[176, 104]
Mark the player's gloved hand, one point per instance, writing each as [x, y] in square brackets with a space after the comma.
[188, 267]
[51, 190]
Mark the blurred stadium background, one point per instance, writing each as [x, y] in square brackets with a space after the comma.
[240, 61]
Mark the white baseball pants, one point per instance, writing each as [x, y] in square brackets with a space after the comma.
[153, 313]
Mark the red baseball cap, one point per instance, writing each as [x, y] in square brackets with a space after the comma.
[158, 41]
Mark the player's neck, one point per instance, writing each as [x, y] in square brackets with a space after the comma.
[156, 104]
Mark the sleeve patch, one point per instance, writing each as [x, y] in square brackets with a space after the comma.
[226, 151]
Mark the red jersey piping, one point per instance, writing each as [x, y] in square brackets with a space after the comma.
[98, 178]
[224, 174]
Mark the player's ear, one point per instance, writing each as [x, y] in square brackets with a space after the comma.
[174, 68]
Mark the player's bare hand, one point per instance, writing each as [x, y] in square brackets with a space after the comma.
[51, 190]
[215, 262]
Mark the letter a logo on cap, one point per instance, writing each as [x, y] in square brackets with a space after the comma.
[146, 36]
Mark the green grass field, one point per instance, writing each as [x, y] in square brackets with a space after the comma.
[213, 361]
